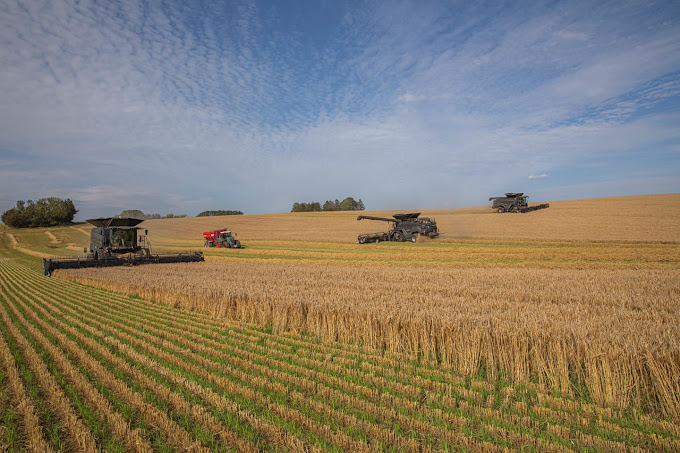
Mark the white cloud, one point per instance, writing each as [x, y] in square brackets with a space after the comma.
[541, 176]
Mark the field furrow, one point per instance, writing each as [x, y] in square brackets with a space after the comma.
[34, 437]
[131, 438]
[80, 438]
[172, 433]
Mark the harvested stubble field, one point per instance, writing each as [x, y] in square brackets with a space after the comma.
[551, 342]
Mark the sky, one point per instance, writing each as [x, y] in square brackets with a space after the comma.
[181, 107]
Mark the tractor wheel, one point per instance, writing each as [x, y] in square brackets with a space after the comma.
[237, 244]
[398, 237]
[414, 237]
[377, 240]
[501, 209]
[362, 240]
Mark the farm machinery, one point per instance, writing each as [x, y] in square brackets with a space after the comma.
[403, 227]
[221, 238]
[115, 242]
[515, 202]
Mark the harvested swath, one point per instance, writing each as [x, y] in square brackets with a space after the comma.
[18, 246]
[53, 239]
[462, 254]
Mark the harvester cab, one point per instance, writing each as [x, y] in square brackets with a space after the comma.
[403, 227]
[114, 241]
[114, 236]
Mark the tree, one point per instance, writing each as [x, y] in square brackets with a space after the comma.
[137, 214]
[45, 212]
[348, 204]
[306, 207]
[133, 213]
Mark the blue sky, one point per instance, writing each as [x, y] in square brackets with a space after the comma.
[189, 106]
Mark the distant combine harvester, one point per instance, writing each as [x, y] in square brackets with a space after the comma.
[515, 202]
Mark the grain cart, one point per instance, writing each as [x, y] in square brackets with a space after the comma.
[515, 202]
[404, 227]
[115, 242]
[221, 238]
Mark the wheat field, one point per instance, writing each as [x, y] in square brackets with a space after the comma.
[639, 218]
[550, 331]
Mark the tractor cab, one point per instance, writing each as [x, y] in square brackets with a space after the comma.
[221, 238]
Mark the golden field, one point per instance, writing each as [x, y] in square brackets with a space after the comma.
[578, 305]
[640, 218]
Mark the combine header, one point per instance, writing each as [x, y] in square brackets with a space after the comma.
[404, 227]
[515, 202]
[114, 242]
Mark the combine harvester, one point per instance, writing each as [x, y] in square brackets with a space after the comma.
[114, 242]
[515, 202]
[404, 227]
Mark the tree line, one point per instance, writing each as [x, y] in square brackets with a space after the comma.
[348, 204]
[137, 214]
[46, 212]
[218, 212]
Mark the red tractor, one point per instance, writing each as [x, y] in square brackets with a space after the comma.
[221, 238]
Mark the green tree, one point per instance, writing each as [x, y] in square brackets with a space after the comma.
[306, 207]
[45, 212]
[348, 204]
[218, 212]
[133, 213]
